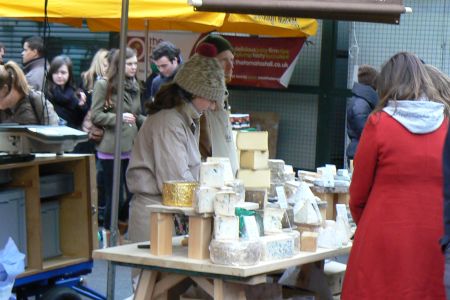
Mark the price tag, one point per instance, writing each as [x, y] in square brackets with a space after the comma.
[281, 197]
[251, 227]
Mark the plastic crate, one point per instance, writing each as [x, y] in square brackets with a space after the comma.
[56, 185]
[50, 229]
[12, 218]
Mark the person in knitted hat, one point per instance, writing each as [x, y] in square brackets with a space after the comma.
[216, 137]
[166, 147]
[225, 53]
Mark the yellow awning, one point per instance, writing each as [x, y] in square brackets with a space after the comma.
[104, 15]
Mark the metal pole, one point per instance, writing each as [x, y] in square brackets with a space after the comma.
[146, 51]
[117, 150]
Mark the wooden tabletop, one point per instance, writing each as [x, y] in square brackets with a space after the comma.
[131, 254]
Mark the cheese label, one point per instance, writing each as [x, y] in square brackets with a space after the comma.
[251, 227]
[281, 197]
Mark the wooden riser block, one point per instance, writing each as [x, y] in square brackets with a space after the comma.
[200, 232]
[161, 228]
[343, 199]
[330, 198]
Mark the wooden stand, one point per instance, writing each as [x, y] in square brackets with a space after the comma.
[161, 226]
[199, 237]
[333, 196]
[161, 222]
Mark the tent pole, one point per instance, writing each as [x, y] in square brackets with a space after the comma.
[117, 148]
[146, 23]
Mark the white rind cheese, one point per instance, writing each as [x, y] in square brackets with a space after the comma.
[212, 174]
[204, 199]
[235, 253]
[277, 246]
[225, 203]
[225, 161]
[226, 228]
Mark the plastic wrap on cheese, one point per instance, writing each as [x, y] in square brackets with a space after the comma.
[235, 253]
[277, 246]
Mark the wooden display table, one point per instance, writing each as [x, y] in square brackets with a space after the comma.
[160, 273]
[333, 196]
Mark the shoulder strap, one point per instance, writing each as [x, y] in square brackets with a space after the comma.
[34, 102]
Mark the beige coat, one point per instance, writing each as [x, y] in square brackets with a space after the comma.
[165, 149]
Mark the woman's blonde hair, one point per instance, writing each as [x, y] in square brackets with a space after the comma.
[404, 77]
[441, 82]
[95, 70]
[12, 76]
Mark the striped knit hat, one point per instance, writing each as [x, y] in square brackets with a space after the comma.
[202, 75]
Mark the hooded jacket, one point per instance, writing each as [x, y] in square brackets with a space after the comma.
[364, 100]
[396, 202]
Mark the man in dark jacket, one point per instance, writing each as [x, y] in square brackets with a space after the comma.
[34, 61]
[167, 59]
[364, 100]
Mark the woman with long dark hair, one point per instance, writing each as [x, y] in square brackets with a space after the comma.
[104, 103]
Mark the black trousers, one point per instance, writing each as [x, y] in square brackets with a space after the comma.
[124, 194]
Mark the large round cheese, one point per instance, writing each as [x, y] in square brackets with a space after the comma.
[178, 193]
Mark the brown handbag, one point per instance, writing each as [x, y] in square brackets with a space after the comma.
[94, 132]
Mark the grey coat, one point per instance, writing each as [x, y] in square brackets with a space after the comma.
[35, 72]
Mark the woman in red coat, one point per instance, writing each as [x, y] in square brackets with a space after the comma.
[396, 191]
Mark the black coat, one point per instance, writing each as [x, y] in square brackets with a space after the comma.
[364, 100]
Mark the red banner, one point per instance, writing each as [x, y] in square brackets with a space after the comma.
[259, 61]
[264, 62]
